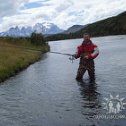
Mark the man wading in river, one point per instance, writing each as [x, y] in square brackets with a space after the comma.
[87, 52]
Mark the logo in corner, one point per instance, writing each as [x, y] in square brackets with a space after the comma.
[114, 104]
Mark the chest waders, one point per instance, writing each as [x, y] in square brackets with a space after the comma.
[86, 65]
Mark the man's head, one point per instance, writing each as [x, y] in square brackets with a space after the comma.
[86, 36]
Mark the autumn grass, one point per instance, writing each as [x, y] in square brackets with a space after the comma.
[13, 60]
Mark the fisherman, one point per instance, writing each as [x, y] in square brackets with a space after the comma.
[87, 51]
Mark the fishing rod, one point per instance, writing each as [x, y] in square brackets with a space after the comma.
[62, 53]
[67, 54]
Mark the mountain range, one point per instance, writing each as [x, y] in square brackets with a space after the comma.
[115, 25]
[111, 26]
[44, 28]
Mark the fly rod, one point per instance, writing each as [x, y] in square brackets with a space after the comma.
[67, 54]
[62, 53]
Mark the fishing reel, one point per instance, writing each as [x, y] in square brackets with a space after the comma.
[72, 58]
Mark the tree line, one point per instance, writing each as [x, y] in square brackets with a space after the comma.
[35, 39]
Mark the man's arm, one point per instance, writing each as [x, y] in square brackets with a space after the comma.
[78, 53]
[94, 54]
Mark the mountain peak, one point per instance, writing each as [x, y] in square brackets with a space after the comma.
[44, 28]
[74, 28]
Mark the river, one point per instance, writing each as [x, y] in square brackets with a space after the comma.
[47, 94]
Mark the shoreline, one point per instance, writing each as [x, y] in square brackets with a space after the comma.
[82, 37]
[20, 70]
[18, 56]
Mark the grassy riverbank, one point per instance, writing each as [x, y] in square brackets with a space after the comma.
[15, 56]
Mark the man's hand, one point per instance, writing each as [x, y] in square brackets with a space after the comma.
[74, 55]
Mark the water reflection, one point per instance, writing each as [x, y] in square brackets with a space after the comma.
[90, 98]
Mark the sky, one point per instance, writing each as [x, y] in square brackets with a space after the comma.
[63, 13]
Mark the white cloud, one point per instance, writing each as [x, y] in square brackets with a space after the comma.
[64, 13]
[10, 7]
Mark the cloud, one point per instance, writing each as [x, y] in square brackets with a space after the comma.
[8, 7]
[64, 13]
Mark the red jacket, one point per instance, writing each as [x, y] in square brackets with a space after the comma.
[89, 48]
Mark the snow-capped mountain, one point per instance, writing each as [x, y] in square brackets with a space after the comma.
[44, 28]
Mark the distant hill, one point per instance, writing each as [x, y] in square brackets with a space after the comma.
[74, 28]
[115, 25]
[111, 26]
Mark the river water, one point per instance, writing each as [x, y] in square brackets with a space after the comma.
[47, 94]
